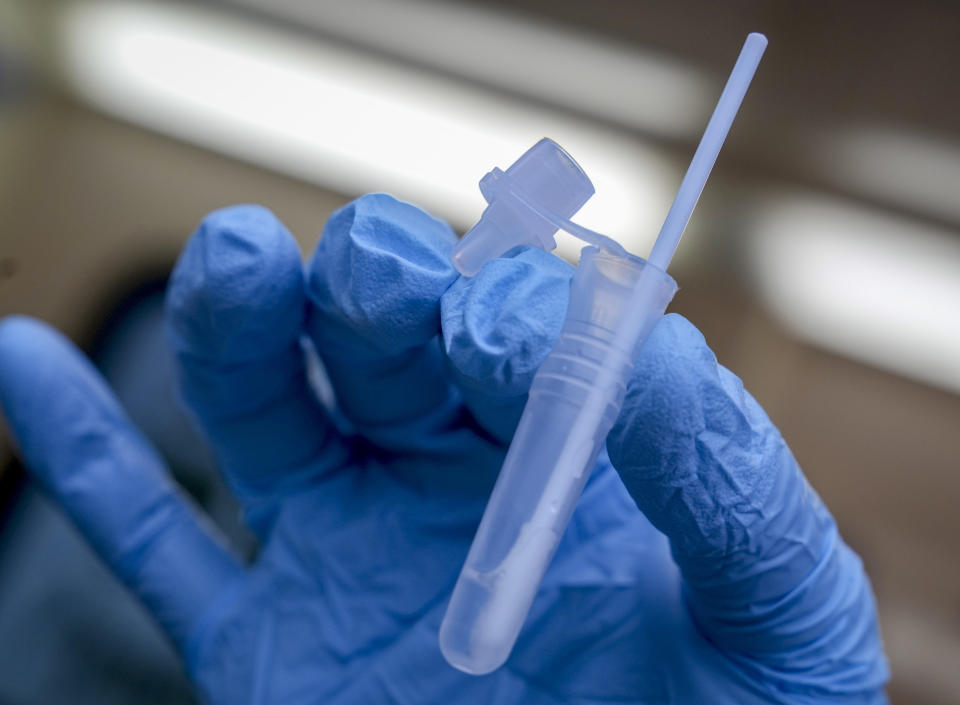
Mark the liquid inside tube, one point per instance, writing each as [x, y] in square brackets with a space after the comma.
[501, 577]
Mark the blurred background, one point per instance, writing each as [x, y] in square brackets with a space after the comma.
[823, 263]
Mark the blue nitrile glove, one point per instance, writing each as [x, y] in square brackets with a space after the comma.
[754, 598]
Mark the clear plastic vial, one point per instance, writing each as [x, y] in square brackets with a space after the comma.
[575, 398]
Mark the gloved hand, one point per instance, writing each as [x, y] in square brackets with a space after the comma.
[729, 584]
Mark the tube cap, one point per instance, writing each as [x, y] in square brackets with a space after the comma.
[545, 180]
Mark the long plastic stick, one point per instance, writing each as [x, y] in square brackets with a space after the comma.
[707, 151]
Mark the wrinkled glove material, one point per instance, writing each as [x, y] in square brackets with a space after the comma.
[699, 565]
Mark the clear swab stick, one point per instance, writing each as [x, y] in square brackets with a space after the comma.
[706, 155]
[576, 395]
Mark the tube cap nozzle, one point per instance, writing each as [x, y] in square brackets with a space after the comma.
[544, 180]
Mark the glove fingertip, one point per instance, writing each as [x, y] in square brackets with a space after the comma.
[28, 347]
[499, 325]
[20, 336]
[16, 330]
[46, 385]
[379, 271]
[236, 292]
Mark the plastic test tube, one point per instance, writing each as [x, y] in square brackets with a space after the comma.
[615, 300]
